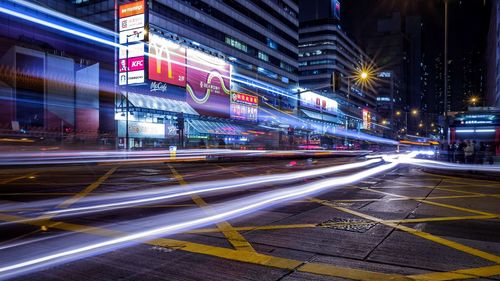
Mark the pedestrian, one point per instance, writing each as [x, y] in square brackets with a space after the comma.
[460, 152]
[482, 152]
[469, 152]
[475, 157]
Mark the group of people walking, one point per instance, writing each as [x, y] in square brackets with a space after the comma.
[469, 152]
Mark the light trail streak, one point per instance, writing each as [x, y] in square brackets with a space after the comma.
[451, 166]
[266, 87]
[159, 194]
[232, 209]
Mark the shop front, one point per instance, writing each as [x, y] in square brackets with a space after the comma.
[481, 125]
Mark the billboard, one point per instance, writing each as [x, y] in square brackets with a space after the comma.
[134, 50]
[367, 119]
[131, 9]
[167, 61]
[131, 57]
[318, 102]
[132, 22]
[208, 84]
[244, 107]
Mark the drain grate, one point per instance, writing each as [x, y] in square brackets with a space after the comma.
[348, 224]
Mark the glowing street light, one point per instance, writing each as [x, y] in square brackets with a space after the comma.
[474, 100]
[364, 75]
[414, 112]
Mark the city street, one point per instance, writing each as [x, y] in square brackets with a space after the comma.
[402, 224]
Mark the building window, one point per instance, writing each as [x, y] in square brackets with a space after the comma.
[236, 44]
[271, 44]
[286, 66]
[263, 56]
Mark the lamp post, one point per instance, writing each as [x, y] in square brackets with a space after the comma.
[445, 90]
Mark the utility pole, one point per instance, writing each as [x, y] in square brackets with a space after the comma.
[445, 77]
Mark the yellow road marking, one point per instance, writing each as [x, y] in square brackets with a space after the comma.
[139, 162]
[6, 181]
[459, 274]
[252, 228]
[236, 239]
[87, 190]
[406, 198]
[431, 202]
[425, 235]
[229, 254]
[305, 225]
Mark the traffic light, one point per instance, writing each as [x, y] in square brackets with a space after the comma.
[180, 122]
[336, 81]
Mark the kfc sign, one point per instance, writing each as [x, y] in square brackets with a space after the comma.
[135, 64]
[132, 9]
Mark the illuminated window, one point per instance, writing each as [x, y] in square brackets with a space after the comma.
[236, 44]
[263, 56]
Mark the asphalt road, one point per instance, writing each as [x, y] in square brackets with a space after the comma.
[402, 225]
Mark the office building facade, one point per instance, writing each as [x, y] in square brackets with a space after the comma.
[324, 48]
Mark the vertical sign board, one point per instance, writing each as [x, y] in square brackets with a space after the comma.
[208, 84]
[367, 119]
[131, 63]
[244, 107]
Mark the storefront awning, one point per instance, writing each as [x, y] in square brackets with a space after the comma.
[321, 117]
[158, 103]
[215, 127]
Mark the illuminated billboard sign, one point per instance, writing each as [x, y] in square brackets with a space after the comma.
[208, 84]
[318, 102]
[134, 50]
[133, 35]
[131, 22]
[244, 107]
[131, 9]
[131, 56]
[367, 119]
[167, 61]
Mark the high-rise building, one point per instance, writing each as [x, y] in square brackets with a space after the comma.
[324, 48]
[396, 47]
[493, 57]
[253, 46]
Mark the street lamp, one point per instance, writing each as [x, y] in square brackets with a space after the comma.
[474, 100]
[364, 75]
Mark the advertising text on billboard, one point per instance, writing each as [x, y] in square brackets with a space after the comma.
[135, 77]
[131, 22]
[208, 84]
[131, 9]
[134, 50]
[318, 102]
[133, 35]
[244, 107]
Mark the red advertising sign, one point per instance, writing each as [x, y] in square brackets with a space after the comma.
[122, 65]
[244, 106]
[136, 63]
[131, 9]
[167, 61]
[244, 98]
[208, 84]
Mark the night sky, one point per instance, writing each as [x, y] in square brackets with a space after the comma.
[468, 29]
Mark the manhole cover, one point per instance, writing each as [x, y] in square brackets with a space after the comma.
[348, 224]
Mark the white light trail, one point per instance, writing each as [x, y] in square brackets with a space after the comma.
[160, 194]
[232, 209]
